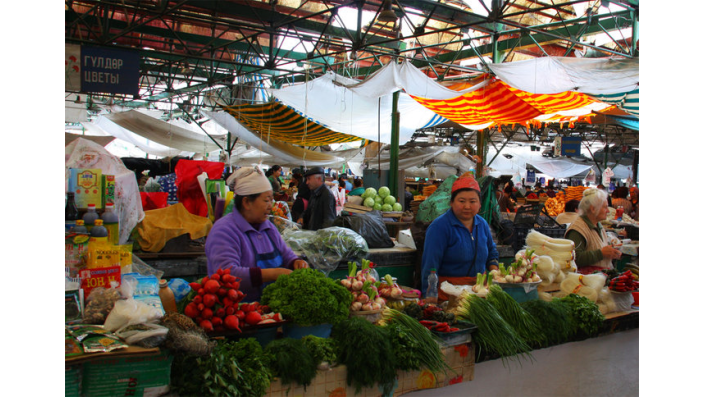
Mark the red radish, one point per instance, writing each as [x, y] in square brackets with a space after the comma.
[197, 299]
[215, 277]
[200, 307]
[264, 309]
[220, 312]
[194, 286]
[229, 310]
[231, 322]
[253, 318]
[204, 280]
[245, 307]
[201, 291]
[241, 294]
[219, 272]
[222, 292]
[240, 314]
[207, 313]
[206, 325]
[191, 310]
[254, 306]
[227, 302]
[211, 286]
[232, 294]
[235, 284]
[217, 321]
[226, 278]
[209, 300]
[226, 270]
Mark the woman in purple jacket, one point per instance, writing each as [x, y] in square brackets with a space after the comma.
[246, 241]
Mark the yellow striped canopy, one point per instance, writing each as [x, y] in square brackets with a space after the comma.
[499, 103]
[277, 121]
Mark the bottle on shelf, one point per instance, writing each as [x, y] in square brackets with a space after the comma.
[71, 211]
[99, 233]
[166, 295]
[90, 216]
[111, 221]
[432, 289]
[80, 227]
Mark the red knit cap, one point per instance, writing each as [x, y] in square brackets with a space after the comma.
[464, 183]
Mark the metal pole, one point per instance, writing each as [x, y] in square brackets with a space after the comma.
[394, 150]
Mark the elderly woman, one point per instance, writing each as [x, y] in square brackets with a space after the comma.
[459, 243]
[592, 247]
[246, 241]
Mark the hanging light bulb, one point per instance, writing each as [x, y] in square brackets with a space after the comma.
[387, 14]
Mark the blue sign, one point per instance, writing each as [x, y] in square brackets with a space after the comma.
[110, 70]
[530, 176]
[570, 146]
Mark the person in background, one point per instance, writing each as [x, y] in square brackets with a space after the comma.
[245, 241]
[274, 176]
[593, 250]
[296, 178]
[550, 192]
[604, 189]
[619, 198]
[303, 195]
[634, 198]
[357, 188]
[338, 191]
[348, 185]
[459, 244]
[506, 204]
[570, 214]
[320, 211]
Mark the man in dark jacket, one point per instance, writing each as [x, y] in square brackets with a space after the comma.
[320, 211]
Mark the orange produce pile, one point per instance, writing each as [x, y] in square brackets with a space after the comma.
[554, 205]
[574, 193]
[428, 190]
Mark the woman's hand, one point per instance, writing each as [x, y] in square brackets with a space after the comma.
[300, 264]
[273, 274]
[610, 253]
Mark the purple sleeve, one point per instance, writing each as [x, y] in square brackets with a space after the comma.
[224, 250]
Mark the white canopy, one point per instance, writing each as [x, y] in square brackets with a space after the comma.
[552, 75]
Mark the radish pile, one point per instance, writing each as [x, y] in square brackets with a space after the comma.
[364, 288]
[215, 304]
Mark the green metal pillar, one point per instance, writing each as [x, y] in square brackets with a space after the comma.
[394, 150]
[635, 33]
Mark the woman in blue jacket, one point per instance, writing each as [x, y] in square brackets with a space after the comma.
[459, 243]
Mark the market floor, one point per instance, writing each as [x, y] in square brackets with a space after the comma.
[603, 366]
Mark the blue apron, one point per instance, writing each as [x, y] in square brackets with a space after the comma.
[267, 261]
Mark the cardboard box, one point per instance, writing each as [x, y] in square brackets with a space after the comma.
[87, 184]
[142, 375]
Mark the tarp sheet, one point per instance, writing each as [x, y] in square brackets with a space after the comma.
[169, 134]
[277, 121]
[284, 153]
[552, 75]
[364, 108]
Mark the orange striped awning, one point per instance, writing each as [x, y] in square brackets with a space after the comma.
[499, 103]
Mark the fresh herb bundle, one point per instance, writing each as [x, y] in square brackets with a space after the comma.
[493, 333]
[232, 369]
[292, 361]
[415, 347]
[308, 297]
[585, 314]
[555, 321]
[322, 349]
[367, 352]
[511, 311]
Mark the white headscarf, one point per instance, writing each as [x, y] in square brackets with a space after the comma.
[248, 180]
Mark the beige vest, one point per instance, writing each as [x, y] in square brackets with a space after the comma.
[593, 240]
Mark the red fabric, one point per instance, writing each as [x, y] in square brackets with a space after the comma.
[464, 183]
[188, 191]
[154, 200]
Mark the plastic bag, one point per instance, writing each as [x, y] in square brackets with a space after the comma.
[437, 203]
[188, 189]
[325, 248]
[369, 225]
[130, 312]
[99, 304]
[145, 335]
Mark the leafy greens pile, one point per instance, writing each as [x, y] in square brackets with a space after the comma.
[308, 297]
